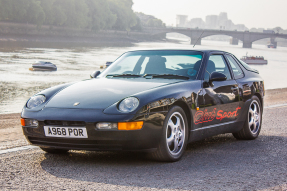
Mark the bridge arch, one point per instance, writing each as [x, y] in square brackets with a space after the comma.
[222, 33]
[261, 38]
[179, 35]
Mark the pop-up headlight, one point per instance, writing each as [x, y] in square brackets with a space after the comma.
[35, 101]
[129, 104]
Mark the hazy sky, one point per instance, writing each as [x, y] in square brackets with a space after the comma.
[252, 13]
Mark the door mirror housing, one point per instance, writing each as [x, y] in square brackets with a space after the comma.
[217, 76]
[108, 64]
[95, 74]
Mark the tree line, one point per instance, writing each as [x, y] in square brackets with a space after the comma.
[86, 14]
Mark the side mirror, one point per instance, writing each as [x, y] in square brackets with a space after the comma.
[217, 76]
[95, 74]
[108, 64]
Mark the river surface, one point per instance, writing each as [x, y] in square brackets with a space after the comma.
[76, 62]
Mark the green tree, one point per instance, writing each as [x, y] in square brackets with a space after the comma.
[138, 26]
[126, 18]
[100, 16]
[60, 16]
[20, 9]
[35, 13]
[149, 20]
[6, 7]
[92, 14]
[81, 14]
[75, 11]
[47, 6]
[278, 29]
[17, 10]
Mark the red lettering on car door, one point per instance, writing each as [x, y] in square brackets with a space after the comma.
[205, 116]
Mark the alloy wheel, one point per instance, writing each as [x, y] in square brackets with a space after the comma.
[175, 133]
[254, 117]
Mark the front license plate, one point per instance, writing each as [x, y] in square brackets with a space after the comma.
[68, 132]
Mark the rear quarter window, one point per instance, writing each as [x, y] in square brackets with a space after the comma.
[237, 71]
[246, 66]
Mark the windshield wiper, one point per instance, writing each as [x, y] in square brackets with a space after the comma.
[123, 75]
[166, 76]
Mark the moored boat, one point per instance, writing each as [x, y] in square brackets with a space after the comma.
[43, 66]
[271, 46]
[256, 60]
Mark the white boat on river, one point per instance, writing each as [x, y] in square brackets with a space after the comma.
[43, 66]
[256, 60]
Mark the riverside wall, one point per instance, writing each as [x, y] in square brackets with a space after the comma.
[28, 32]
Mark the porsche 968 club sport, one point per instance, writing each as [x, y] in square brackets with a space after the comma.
[156, 101]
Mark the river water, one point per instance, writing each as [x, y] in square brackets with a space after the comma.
[76, 62]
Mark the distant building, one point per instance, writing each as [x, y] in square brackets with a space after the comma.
[181, 20]
[260, 29]
[222, 16]
[196, 23]
[211, 21]
[240, 27]
[228, 25]
[220, 22]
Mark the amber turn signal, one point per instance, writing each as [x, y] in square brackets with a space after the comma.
[29, 122]
[130, 125]
[22, 122]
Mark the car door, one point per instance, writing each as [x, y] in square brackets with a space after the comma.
[221, 98]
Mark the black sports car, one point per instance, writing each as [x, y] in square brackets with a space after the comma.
[149, 100]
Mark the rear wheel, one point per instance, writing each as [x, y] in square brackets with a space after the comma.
[252, 125]
[174, 136]
[54, 151]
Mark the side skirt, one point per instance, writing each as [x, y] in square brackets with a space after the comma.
[211, 130]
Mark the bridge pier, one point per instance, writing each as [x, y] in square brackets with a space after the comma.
[197, 41]
[272, 41]
[234, 41]
[247, 44]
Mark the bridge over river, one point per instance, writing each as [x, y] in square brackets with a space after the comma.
[197, 34]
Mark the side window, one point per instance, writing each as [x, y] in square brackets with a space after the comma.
[235, 68]
[218, 64]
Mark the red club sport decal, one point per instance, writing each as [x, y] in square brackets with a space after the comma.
[205, 116]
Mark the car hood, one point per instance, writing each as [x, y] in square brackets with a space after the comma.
[103, 92]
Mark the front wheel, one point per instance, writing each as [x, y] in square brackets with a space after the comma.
[252, 125]
[174, 136]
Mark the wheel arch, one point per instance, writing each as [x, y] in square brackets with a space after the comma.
[187, 111]
[260, 99]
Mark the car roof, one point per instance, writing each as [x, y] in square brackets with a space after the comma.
[196, 50]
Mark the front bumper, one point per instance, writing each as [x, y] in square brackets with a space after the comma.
[146, 138]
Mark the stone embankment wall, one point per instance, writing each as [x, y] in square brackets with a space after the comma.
[28, 32]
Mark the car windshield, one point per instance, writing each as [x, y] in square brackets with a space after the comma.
[183, 64]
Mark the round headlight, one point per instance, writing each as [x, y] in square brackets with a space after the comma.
[35, 101]
[129, 104]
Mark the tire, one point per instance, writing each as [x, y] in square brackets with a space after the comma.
[252, 125]
[174, 136]
[54, 151]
